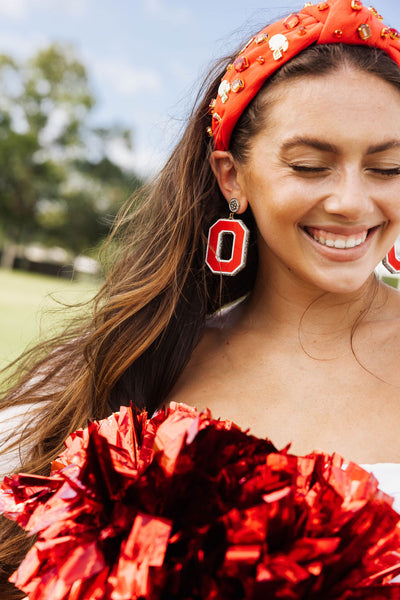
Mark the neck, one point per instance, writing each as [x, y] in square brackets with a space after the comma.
[283, 304]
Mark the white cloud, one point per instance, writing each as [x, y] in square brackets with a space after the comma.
[177, 16]
[128, 80]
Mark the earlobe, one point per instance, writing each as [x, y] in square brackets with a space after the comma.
[225, 171]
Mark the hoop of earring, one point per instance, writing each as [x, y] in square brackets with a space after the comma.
[240, 242]
[391, 262]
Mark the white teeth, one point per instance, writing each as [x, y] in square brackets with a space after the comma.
[340, 243]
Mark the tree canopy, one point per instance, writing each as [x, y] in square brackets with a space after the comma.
[58, 184]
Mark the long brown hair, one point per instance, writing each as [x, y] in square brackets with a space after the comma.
[152, 309]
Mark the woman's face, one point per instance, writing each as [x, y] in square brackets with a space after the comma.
[323, 178]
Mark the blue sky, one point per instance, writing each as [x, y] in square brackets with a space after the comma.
[144, 58]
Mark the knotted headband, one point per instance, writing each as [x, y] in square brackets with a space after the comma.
[334, 21]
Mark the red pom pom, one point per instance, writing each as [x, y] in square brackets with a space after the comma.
[181, 506]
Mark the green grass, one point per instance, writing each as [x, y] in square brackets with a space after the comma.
[30, 309]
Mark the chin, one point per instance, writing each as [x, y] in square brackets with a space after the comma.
[349, 284]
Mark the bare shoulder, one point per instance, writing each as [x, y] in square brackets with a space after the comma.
[211, 360]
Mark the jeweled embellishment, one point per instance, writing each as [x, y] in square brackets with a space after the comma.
[385, 32]
[307, 4]
[323, 6]
[241, 63]
[278, 44]
[375, 13]
[234, 205]
[356, 5]
[260, 38]
[301, 30]
[338, 33]
[211, 106]
[394, 34]
[237, 85]
[209, 132]
[216, 117]
[246, 45]
[291, 21]
[260, 60]
[223, 90]
[364, 31]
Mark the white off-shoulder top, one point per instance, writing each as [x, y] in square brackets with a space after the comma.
[388, 476]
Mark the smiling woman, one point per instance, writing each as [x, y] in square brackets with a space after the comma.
[289, 334]
[322, 179]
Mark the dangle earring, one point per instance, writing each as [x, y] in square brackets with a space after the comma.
[240, 233]
[391, 262]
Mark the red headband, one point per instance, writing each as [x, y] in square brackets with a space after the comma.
[345, 21]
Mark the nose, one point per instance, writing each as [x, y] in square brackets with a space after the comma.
[351, 197]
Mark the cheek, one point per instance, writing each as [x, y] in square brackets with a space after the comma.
[279, 212]
[393, 208]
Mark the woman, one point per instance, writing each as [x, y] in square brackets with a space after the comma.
[305, 138]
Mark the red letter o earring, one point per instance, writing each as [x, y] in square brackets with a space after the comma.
[391, 262]
[237, 260]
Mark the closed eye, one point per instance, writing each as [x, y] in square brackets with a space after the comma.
[386, 172]
[308, 169]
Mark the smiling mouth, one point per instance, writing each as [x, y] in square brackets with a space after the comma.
[339, 241]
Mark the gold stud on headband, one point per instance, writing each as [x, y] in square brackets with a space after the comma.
[260, 38]
[291, 21]
[364, 31]
[356, 5]
[375, 13]
[241, 63]
[237, 85]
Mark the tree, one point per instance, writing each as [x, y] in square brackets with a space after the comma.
[57, 183]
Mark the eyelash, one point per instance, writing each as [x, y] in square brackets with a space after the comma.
[384, 172]
[305, 169]
[387, 172]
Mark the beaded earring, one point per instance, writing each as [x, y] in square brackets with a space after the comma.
[391, 262]
[240, 233]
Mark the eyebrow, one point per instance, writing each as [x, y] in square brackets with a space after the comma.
[382, 147]
[327, 147]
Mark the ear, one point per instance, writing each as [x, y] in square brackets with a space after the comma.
[226, 173]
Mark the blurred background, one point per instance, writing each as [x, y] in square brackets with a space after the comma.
[94, 95]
